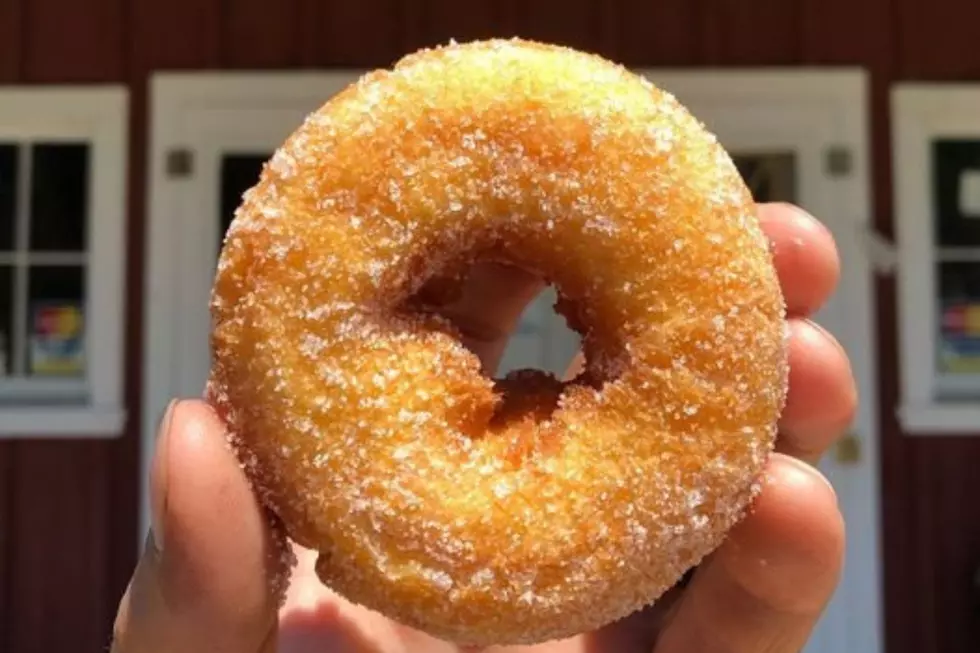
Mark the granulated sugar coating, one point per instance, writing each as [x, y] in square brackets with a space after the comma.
[372, 432]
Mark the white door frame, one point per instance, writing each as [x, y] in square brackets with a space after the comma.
[748, 109]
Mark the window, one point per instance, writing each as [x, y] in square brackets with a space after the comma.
[770, 176]
[62, 257]
[937, 202]
[239, 172]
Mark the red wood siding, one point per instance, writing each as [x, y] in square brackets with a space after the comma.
[68, 510]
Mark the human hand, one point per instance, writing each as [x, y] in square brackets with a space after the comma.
[202, 583]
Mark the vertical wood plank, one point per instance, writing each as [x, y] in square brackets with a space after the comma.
[435, 22]
[902, 600]
[842, 32]
[364, 33]
[751, 32]
[72, 41]
[11, 12]
[58, 557]
[573, 23]
[255, 37]
[175, 34]
[664, 33]
[7, 536]
[955, 556]
[938, 39]
[925, 530]
[961, 577]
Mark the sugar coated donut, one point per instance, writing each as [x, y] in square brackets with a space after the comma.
[524, 509]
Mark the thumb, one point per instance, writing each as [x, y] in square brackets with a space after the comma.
[212, 572]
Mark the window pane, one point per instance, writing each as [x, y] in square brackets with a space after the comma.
[55, 325]
[8, 195]
[959, 346]
[956, 192]
[59, 197]
[770, 176]
[239, 172]
[6, 320]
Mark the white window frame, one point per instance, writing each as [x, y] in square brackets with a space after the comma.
[92, 406]
[835, 106]
[921, 113]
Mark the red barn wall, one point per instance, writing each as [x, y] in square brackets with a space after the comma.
[68, 510]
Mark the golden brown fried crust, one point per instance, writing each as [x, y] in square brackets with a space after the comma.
[369, 428]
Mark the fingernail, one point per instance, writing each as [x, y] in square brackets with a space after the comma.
[827, 334]
[813, 472]
[158, 477]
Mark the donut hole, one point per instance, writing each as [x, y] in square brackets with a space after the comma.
[551, 348]
[547, 337]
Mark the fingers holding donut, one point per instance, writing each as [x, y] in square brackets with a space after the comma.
[822, 395]
[804, 254]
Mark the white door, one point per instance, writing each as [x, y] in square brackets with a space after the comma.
[797, 136]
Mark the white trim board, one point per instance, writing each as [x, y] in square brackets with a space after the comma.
[921, 113]
[97, 115]
[805, 110]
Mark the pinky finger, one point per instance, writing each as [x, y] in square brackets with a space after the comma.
[768, 584]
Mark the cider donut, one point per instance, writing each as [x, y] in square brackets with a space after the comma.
[500, 511]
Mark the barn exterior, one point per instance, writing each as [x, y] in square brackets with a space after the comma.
[860, 111]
